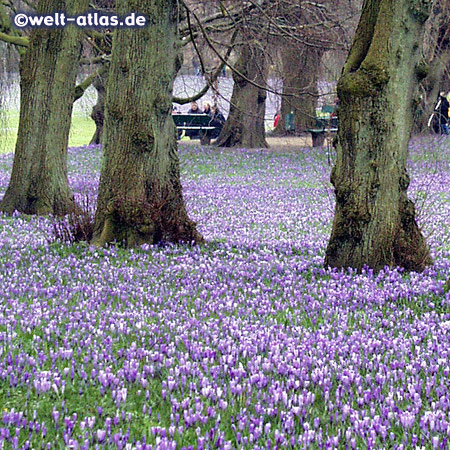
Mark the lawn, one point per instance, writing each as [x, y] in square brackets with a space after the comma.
[246, 342]
[81, 131]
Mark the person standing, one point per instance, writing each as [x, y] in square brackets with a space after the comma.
[443, 107]
[217, 117]
[276, 119]
[217, 120]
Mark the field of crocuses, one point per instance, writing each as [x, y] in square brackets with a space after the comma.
[245, 343]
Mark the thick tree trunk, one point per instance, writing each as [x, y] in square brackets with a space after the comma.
[374, 222]
[98, 110]
[300, 75]
[48, 71]
[244, 126]
[140, 199]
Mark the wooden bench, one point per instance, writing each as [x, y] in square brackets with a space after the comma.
[196, 126]
[323, 128]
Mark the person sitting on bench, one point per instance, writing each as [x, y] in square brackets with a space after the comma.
[194, 109]
[207, 108]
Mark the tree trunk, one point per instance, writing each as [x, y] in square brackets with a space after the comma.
[374, 222]
[244, 126]
[300, 75]
[48, 72]
[140, 199]
[98, 110]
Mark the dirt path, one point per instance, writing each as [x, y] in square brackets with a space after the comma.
[289, 141]
[277, 143]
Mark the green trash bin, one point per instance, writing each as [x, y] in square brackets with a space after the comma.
[289, 124]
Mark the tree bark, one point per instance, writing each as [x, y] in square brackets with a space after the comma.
[140, 197]
[48, 71]
[374, 222]
[244, 126]
[98, 110]
[300, 75]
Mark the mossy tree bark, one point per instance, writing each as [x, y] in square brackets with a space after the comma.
[374, 222]
[300, 75]
[244, 126]
[140, 197]
[48, 70]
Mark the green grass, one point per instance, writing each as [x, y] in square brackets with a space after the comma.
[81, 131]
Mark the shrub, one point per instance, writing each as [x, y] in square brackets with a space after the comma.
[77, 226]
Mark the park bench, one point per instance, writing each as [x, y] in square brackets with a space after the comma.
[196, 126]
[326, 124]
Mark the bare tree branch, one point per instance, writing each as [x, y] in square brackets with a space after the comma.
[80, 89]
[209, 80]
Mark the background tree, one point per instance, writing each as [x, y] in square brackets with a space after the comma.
[320, 27]
[301, 31]
[100, 47]
[98, 110]
[300, 74]
[206, 31]
[212, 21]
[437, 54]
[140, 198]
[244, 126]
[48, 72]
[374, 222]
